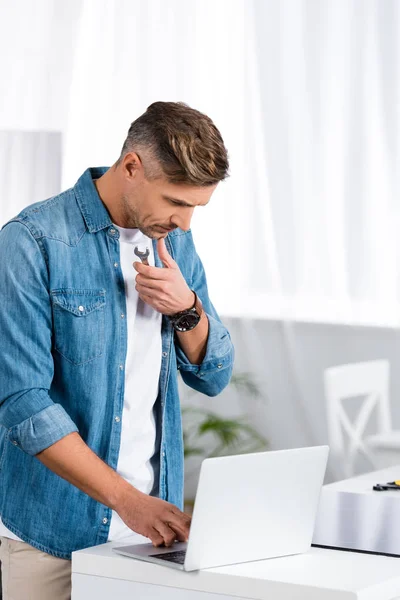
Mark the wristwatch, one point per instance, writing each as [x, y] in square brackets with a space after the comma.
[186, 320]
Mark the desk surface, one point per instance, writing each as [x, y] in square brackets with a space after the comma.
[319, 574]
[362, 484]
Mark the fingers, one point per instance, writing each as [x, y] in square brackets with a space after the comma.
[167, 534]
[152, 284]
[180, 534]
[171, 527]
[160, 521]
[180, 523]
[164, 255]
[156, 537]
[184, 517]
[151, 272]
[149, 300]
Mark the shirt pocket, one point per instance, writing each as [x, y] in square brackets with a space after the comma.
[78, 317]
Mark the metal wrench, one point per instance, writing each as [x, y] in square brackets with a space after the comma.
[142, 255]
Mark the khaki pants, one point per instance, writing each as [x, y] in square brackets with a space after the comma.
[29, 574]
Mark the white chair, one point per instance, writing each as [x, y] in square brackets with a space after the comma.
[371, 380]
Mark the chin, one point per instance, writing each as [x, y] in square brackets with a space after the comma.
[157, 235]
[154, 232]
[149, 232]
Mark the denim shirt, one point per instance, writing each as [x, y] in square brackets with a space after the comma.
[62, 360]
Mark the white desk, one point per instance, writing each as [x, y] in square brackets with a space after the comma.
[363, 483]
[317, 575]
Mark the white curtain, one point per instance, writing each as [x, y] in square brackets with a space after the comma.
[37, 44]
[37, 41]
[30, 164]
[306, 94]
[328, 79]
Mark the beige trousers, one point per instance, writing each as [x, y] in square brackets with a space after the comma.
[29, 574]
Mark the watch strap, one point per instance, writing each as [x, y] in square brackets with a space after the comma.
[197, 306]
[196, 309]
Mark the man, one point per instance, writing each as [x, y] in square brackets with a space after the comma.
[103, 300]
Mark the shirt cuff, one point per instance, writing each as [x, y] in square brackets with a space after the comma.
[42, 429]
[219, 353]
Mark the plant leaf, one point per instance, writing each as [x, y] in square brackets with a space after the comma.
[192, 451]
[244, 382]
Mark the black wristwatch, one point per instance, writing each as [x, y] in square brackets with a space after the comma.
[186, 320]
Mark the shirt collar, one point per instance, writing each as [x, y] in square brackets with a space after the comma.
[94, 212]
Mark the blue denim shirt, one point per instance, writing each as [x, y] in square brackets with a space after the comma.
[62, 360]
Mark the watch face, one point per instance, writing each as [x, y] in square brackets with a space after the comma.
[187, 322]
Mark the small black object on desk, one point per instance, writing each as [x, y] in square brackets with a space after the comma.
[390, 485]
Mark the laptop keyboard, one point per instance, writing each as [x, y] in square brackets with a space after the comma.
[176, 557]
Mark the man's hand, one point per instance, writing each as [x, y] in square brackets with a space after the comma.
[164, 289]
[156, 519]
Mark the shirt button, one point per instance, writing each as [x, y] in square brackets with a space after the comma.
[15, 443]
[219, 366]
[121, 367]
[105, 521]
[117, 419]
[122, 315]
[115, 264]
[163, 454]
[80, 308]
[112, 231]
[165, 354]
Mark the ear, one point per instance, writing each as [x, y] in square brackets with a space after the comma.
[132, 164]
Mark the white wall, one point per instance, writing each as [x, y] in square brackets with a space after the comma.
[292, 413]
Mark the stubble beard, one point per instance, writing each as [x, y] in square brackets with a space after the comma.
[131, 217]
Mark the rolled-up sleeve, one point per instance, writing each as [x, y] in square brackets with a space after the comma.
[34, 422]
[214, 373]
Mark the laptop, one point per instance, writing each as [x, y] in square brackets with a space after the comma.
[248, 507]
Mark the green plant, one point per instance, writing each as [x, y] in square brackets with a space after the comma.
[228, 435]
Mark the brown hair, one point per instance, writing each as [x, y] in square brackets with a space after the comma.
[183, 141]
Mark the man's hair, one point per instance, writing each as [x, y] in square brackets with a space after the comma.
[182, 141]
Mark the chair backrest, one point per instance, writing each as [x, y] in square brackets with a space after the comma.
[369, 379]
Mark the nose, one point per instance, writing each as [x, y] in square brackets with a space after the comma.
[183, 219]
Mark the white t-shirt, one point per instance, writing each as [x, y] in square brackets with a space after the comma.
[142, 372]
